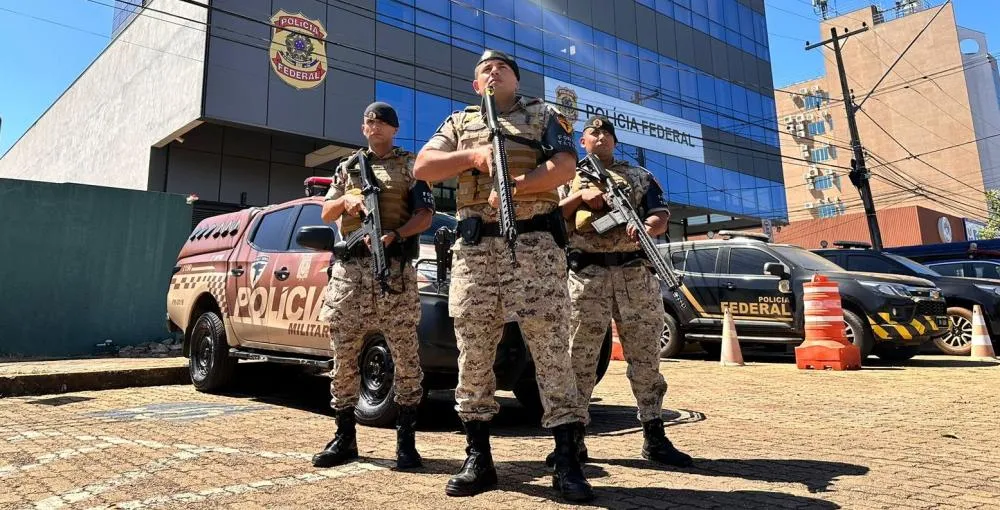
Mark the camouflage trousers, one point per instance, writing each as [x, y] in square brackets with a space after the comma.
[630, 295]
[356, 311]
[486, 292]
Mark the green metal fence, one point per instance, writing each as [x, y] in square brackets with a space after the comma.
[83, 264]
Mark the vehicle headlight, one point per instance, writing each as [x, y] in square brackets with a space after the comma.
[936, 294]
[990, 288]
[888, 289]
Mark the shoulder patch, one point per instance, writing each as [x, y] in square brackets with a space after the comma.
[471, 108]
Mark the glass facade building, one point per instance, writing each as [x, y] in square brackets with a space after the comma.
[644, 60]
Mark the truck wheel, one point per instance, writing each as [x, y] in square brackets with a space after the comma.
[671, 340]
[376, 406]
[209, 364]
[888, 352]
[858, 333]
[526, 391]
[958, 340]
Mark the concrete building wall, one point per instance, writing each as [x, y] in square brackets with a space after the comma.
[920, 114]
[138, 93]
[984, 96]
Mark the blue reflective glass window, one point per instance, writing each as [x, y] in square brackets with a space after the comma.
[676, 182]
[682, 14]
[466, 37]
[732, 38]
[746, 20]
[714, 183]
[528, 16]
[689, 84]
[731, 15]
[649, 69]
[402, 100]
[628, 69]
[763, 53]
[627, 152]
[431, 111]
[748, 188]
[700, 7]
[656, 163]
[748, 45]
[498, 43]
[665, 7]
[699, 199]
[501, 8]
[740, 102]
[499, 27]
[706, 97]
[627, 48]
[395, 13]
[697, 174]
[717, 30]
[468, 13]
[432, 26]
[700, 23]
[582, 65]
[438, 7]
[648, 3]
[607, 72]
[764, 208]
[605, 40]
[724, 98]
[778, 206]
[529, 58]
[557, 49]
[755, 107]
[760, 28]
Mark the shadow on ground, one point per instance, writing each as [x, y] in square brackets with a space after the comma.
[816, 475]
[533, 479]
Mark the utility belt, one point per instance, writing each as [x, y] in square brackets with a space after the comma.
[578, 260]
[404, 252]
[472, 230]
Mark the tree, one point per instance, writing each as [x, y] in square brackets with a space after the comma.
[992, 230]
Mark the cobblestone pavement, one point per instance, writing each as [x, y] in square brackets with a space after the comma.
[764, 436]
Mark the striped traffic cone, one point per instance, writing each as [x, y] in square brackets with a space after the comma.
[982, 346]
[617, 353]
[825, 345]
[732, 356]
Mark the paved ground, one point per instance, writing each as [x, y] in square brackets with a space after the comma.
[86, 365]
[766, 436]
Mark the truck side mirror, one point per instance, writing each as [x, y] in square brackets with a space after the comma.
[776, 269]
[316, 237]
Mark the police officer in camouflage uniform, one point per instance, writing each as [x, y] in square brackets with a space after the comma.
[354, 303]
[609, 278]
[487, 290]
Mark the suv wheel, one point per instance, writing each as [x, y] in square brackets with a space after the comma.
[858, 333]
[671, 340]
[210, 366]
[958, 340]
[376, 406]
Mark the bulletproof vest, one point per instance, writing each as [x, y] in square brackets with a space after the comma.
[584, 215]
[394, 181]
[527, 122]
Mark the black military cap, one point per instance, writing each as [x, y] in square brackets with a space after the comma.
[499, 55]
[600, 122]
[382, 111]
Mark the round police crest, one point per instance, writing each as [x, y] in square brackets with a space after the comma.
[566, 100]
[298, 49]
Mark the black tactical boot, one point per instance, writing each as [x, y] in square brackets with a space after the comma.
[658, 448]
[581, 448]
[478, 473]
[406, 451]
[344, 445]
[567, 477]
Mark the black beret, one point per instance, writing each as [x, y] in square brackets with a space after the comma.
[600, 122]
[382, 111]
[499, 55]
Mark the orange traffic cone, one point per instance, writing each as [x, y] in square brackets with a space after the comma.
[732, 356]
[825, 345]
[982, 346]
[617, 353]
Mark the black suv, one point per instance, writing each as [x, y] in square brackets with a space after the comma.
[761, 284]
[960, 293]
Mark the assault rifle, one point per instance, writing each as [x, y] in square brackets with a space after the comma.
[622, 212]
[506, 217]
[371, 223]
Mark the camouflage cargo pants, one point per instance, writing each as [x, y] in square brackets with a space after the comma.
[486, 292]
[356, 311]
[630, 295]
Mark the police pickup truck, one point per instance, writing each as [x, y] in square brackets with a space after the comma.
[244, 288]
[960, 293]
[761, 285]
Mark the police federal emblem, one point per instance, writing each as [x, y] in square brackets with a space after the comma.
[567, 105]
[298, 49]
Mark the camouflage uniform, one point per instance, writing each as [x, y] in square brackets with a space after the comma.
[354, 304]
[487, 291]
[630, 294]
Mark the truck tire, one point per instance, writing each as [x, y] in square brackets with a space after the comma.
[376, 405]
[671, 340]
[858, 333]
[887, 352]
[958, 340]
[209, 364]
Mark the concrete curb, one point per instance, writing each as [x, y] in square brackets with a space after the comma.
[43, 384]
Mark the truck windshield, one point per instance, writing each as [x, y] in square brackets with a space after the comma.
[806, 259]
[913, 266]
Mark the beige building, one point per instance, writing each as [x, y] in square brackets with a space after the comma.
[919, 127]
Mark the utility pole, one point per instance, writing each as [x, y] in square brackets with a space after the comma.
[859, 172]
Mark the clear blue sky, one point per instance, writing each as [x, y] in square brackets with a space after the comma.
[48, 55]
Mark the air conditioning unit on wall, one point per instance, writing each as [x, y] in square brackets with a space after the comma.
[808, 205]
